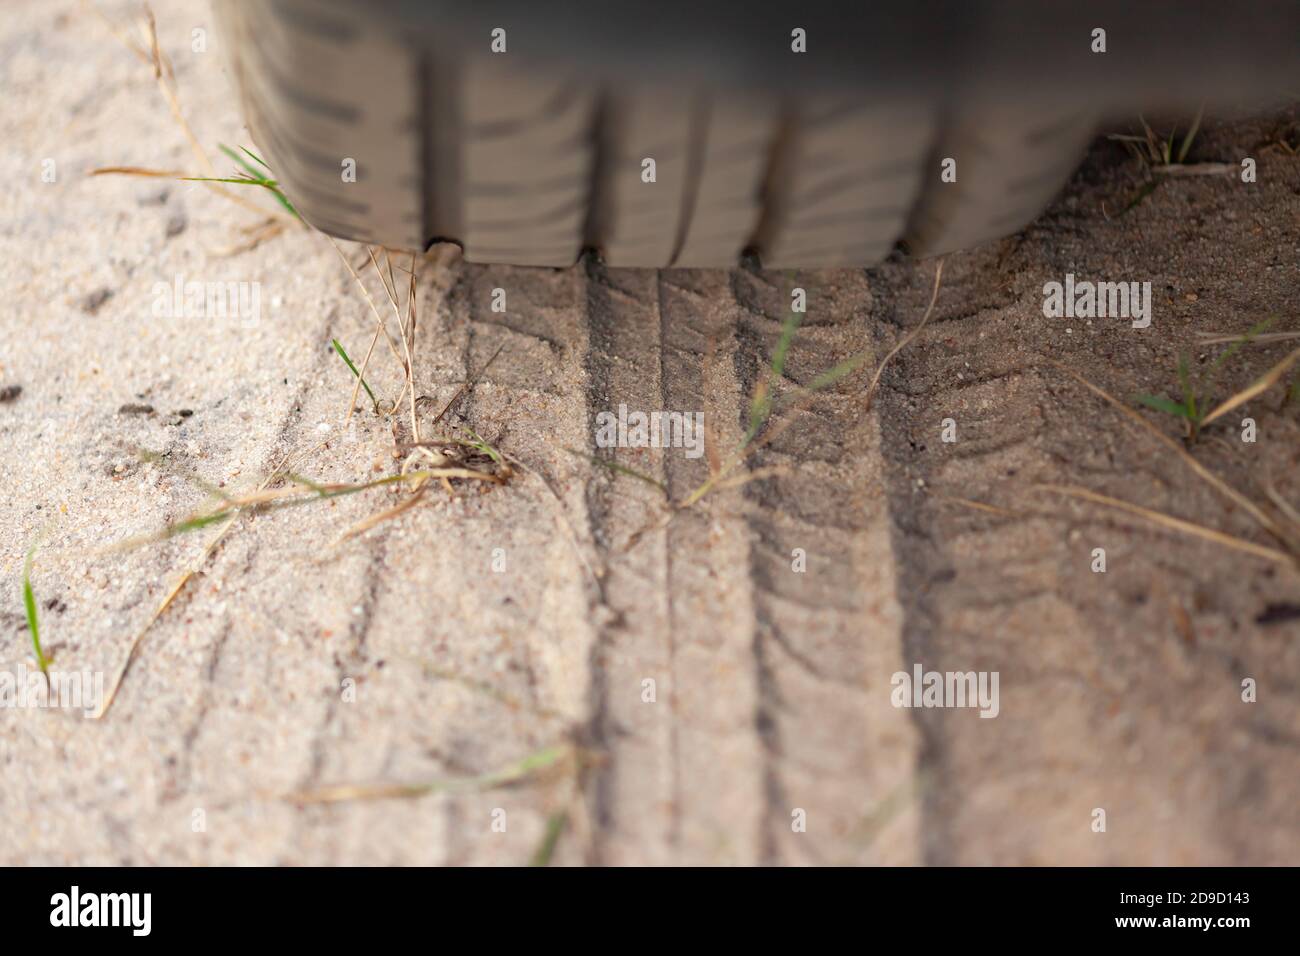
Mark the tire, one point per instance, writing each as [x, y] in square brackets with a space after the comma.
[532, 157]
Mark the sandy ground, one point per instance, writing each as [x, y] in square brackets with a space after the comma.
[470, 633]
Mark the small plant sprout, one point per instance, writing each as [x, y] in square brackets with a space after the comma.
[1159, 151]
[33, 618]
[1282, 524]
[1194, 405]
[1165, 156]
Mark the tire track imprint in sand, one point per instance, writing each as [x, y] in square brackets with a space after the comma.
[744, 730]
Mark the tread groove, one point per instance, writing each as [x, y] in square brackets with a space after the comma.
[697, 144]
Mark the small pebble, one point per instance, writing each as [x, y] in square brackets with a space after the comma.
[90, 304]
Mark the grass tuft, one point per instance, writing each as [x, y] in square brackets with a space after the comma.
[1157, 151]
[1195, 404]
[1159, 155]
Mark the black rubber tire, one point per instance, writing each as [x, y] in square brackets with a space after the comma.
[531, 155]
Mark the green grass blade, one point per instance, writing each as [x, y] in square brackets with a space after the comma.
[257, 178]
[1241, 343]
[270, 184]
[1162, 404]
[338, 347]
[1191, 134]
[761, 407]
[522, 769]
[546, 849]
[256, 158]
[283, 200]
[839, 371]
[1185, 382]
[241, 162]
[298, 479]
[33, 619]
[197, 524]
[483, 446]
[1141, 196]
[515, 773]
[621, 469]
[788, 329]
